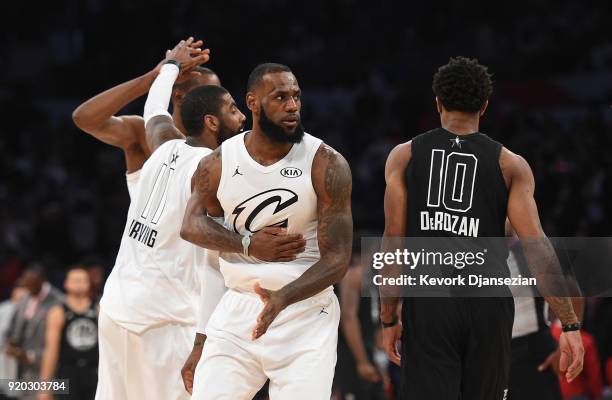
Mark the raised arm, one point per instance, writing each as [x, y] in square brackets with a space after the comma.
[332, 181]
[201, 229]
[159, 126]
[396, 203]
[97, 117]
[541, 257]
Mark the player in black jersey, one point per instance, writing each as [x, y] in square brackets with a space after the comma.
[71, 345]
[456, 182]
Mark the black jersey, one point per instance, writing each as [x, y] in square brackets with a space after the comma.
[455, 186]
[79, 346]
[456, 190]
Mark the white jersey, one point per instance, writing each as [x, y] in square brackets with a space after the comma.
[254, 196]
[155, 279]
[131, 179]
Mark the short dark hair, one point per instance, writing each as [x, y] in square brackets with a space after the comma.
[259, 71]
[199, 102]
[191, 83]
[462, 85]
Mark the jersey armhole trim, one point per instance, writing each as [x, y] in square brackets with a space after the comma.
[500, 173]
[310, 156]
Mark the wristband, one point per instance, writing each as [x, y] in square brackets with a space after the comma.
[390, 324]
[571, 327]
[246, 241]
[178, 64]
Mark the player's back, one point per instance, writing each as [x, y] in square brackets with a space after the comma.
[155, 278]
[455, 186]
[457, 194]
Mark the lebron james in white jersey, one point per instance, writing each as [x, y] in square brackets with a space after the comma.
[278, 320]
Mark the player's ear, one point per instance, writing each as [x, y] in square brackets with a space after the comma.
[484, 107]
[438, 106]
[252, 103]
[177, 96]
[211, 123]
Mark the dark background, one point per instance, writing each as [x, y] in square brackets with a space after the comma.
[365, 69]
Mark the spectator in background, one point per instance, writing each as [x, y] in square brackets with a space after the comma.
[357, 376]
[97, 276]
[71, 349]
[8, 365]
[26, 339]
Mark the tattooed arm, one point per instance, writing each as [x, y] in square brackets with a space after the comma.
[541, 257]
[540, 254]
[268, 244]
[331, 179]
[198, 226]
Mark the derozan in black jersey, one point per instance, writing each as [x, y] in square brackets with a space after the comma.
[456, 186]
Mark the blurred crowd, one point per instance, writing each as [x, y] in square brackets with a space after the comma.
[365, 69]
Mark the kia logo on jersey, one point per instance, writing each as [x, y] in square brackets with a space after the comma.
[291, 172]
[267, 208]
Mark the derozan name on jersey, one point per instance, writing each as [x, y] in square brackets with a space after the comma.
[442, 221]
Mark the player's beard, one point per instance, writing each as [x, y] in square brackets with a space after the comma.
[276, 133]
[226, 132]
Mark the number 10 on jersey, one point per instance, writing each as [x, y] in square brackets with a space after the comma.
[452, 178]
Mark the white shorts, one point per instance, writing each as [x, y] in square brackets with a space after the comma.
[297, 353]
[146, 366]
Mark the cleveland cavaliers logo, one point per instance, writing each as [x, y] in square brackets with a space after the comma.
[263, 209]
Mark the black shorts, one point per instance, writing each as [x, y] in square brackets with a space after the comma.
[456, 348]
[526, 382]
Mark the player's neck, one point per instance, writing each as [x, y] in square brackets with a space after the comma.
[178, 121]
[78, 302]
[460, 123]
[205, 139]
[263, 149]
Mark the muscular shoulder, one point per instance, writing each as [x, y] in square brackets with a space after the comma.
[137, 126]
[330, 171]
[514, 166]
[398, 159]
[208, 173]
[135, 121]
